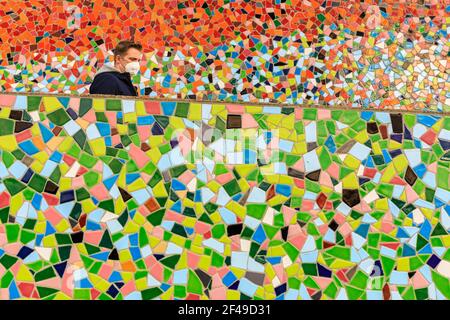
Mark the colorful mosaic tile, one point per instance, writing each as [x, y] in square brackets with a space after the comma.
[379, 54]
[139, 199]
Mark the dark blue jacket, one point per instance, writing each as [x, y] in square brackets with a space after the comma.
[109, 80]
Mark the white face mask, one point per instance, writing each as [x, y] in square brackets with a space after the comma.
[132, 67]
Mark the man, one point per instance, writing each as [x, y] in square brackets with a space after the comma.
[116, 79]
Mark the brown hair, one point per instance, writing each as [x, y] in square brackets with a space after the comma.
[123, 46]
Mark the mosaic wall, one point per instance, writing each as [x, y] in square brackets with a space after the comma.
[103, 198]
[379, 54]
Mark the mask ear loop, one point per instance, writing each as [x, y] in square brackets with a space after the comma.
[123, 66]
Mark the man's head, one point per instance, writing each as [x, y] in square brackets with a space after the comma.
[127, 56]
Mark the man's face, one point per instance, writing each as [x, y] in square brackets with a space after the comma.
[131, 56]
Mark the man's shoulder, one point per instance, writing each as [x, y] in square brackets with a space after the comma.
[107, 75]
[105, 83]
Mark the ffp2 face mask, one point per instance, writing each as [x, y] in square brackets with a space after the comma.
[132, 67]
